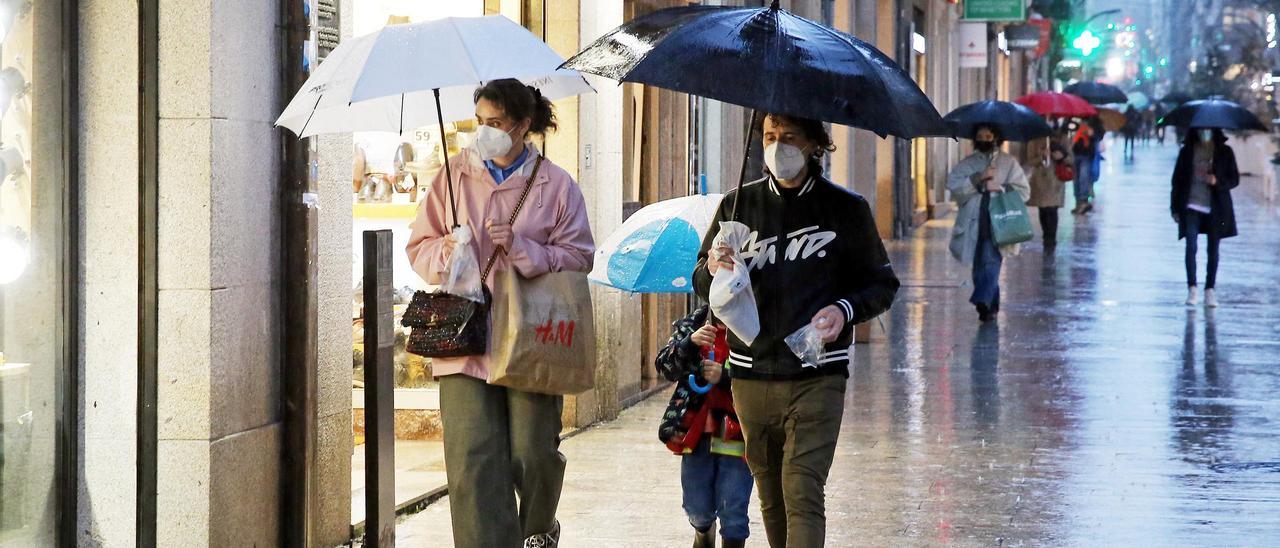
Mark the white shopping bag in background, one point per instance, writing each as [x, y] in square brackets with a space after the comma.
[732, 300]
[463, 275]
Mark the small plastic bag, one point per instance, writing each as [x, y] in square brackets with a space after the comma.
[462, 278]
[731, 297]
[807, 344]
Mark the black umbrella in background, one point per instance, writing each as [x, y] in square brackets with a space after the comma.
[1177, 98]
[1216, 113]
[1015, 122]
[769, 60]
[1097, 93]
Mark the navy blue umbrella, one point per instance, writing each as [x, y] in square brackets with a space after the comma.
[1015, 122]
[1097, 93]
[767, 59]
[1214, 112]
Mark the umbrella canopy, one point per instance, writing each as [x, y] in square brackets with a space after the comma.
[1139, 100]
[656, 249]
[1016, 122]
[1097, 93]
[1112, 119]
[1052, 103]
[386, 81]
[1214, 113]
[767, 59]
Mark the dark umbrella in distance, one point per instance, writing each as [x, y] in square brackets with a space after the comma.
[1015, 122]
[1215, 113]
[1097, 93]
[769, 60]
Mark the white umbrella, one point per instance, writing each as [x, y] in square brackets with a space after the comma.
[387, 80]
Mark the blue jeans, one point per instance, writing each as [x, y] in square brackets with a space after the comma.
[716, 486]
[1084, 179]
[986, 269]
[1192, 221]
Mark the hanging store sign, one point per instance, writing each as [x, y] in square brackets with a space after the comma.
[995, 10]
[973, 44]
[1025, 36]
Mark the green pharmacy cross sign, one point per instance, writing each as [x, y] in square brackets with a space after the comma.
[995, 10]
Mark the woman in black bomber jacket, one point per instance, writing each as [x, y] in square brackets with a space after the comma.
[814, 257]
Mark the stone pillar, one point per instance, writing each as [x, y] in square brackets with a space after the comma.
[109, 286]
[219, 323]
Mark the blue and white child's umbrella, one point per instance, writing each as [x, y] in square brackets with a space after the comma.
[656, 249]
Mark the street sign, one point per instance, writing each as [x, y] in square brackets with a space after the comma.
[1025, 36]
[995, 10]
[973, 45]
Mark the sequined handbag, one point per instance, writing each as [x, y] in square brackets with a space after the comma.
[444, 325]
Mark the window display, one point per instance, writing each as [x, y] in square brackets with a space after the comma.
[32, 239]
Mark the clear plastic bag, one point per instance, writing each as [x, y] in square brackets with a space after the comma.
[807, 344]
[732, 300]
[462, 278]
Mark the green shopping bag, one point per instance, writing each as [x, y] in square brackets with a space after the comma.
[1010, 223]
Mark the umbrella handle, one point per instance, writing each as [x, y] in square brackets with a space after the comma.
[444, 149]
[746, 147]
[693, 380]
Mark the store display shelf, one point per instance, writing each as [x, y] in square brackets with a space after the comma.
[385, 211]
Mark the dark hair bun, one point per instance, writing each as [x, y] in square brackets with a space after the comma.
[520, 102]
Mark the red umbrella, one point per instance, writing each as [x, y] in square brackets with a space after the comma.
[1052, 103]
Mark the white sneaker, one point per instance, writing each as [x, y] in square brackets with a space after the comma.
[1210, 298]
[1193, 296]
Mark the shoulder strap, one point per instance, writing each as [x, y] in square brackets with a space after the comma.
[528, 186]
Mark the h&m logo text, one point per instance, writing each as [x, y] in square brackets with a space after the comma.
[555, 333]
[801, 245]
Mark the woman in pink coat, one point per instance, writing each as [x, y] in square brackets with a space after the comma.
[500, 442]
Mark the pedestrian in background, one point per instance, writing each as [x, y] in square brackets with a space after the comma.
[1048, 170]
[1084, 148]
[702, 427]
[971, 182]
[1132, 127]
[826, 270]
[1203, 177]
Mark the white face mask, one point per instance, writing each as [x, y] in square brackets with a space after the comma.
[1206, 136]
[784, 161]
[491, 142]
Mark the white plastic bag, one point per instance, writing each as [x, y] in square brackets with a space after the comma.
[807, 344]
[731, 298]
[462, 278]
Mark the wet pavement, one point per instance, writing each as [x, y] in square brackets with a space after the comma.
[1098, 410]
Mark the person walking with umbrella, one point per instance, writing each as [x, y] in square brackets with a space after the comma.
[500, 441]
[1200, 202]
[1048, 169]
[791, 408]
[972, 182]
[1085, 148]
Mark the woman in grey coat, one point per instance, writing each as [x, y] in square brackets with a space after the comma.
[972, 182]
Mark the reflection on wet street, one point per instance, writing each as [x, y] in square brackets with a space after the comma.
[1099, 410]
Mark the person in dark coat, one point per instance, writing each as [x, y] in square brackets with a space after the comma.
[1201, 202]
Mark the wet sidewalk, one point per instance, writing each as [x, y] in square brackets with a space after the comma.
[1098, 410]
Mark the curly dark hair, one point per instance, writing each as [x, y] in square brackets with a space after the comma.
[813, 130]
[519, 102]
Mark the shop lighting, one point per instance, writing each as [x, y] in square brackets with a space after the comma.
[1115, 68]
[11, 162]
[10, 12]
[13, 85]
[14, 254]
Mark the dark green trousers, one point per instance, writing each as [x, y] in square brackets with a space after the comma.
[500, 444]
[791, 428]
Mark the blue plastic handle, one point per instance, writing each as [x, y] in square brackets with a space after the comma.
[693, 380]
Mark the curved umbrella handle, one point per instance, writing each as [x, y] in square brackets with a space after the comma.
[698, 388]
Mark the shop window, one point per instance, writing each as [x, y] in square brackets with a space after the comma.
[33, 238]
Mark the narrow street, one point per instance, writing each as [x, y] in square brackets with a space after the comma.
[1099, 410]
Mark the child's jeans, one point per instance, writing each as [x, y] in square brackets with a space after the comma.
[716, 486]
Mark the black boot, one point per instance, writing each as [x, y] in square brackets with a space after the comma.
[731, 543]
[705, 539]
